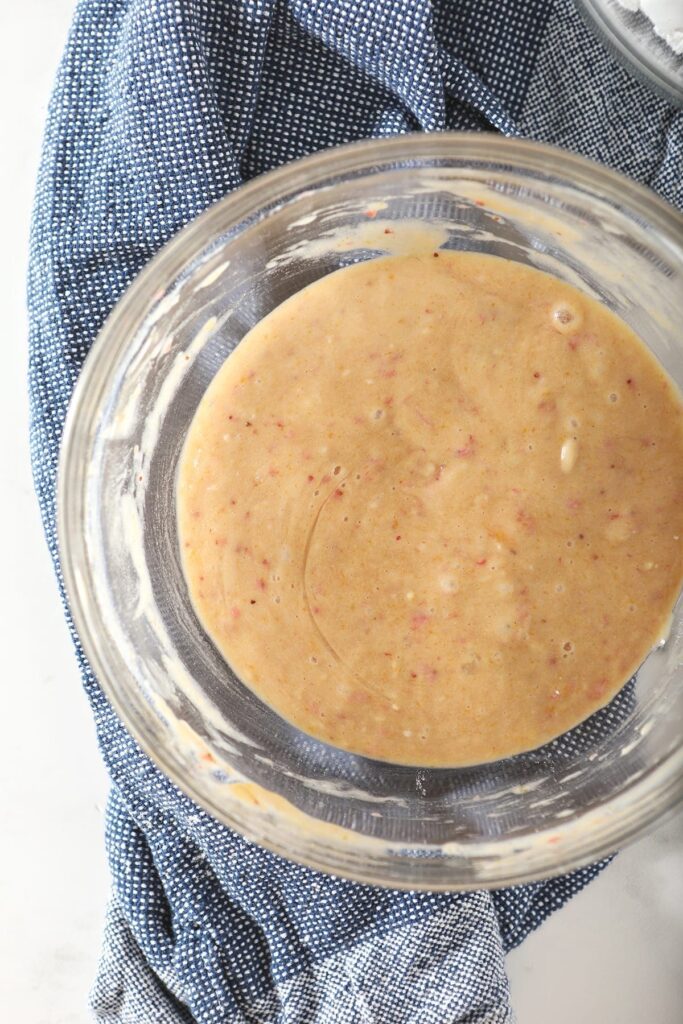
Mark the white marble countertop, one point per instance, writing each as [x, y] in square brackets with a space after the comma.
[613, 954]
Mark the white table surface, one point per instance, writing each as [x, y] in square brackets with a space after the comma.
[614, 954]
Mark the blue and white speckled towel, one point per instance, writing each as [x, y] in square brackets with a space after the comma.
[160, 108]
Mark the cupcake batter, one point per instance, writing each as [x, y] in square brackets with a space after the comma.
[430, 508]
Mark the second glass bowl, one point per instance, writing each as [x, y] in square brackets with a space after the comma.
[630, 35]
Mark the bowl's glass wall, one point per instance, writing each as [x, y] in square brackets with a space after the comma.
[631, 37]
[530, 815]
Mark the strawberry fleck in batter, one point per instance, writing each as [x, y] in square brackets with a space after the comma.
[430, 509]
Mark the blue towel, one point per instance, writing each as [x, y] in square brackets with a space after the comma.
[161, 107]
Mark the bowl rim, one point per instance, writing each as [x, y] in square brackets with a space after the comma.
[616, 38]
[624, 817]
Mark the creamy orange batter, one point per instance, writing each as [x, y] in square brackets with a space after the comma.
[430, 508]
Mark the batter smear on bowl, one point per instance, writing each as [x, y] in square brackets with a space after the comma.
[430, 508]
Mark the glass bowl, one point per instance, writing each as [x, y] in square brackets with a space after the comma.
[631, 37]
[527, 817]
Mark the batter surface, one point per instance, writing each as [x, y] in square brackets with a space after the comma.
[430, 508]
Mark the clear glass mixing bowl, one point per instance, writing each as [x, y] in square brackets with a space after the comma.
[632, 39]
[530, 816]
